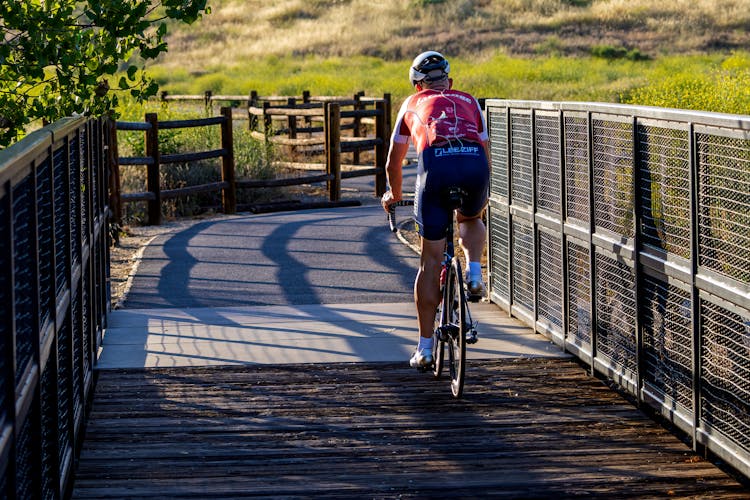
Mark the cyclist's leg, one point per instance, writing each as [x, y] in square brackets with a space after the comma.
[432, 220]
[471, 229]
[427, 285]
[472, 234]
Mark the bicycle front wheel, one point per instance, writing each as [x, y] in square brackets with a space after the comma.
[456, 340]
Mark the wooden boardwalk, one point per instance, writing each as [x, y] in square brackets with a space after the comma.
[534, 428]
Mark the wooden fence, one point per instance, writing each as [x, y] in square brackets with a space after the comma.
[291, 121]
[153, 159]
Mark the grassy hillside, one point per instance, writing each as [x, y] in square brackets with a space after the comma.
[606, 50]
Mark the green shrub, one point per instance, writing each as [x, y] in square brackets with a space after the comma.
[610, 52]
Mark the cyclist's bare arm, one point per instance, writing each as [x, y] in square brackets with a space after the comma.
[394, 172]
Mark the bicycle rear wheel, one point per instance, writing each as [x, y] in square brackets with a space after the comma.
[438, 339]
[456, 339]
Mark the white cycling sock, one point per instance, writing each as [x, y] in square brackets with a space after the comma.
[424, 343]
[475, 270]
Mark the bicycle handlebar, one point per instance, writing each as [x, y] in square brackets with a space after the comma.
[392, 212]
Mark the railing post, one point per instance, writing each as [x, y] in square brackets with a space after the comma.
[637, 212]
[593, 320]
[152, 176]
[332, 126]
[229, 193]
[695, 312]
[381, 149]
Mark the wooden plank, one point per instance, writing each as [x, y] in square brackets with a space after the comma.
[525, 428]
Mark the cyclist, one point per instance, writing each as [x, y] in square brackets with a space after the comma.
[449, 133]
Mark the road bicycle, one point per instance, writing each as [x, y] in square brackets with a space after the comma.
[454, 327]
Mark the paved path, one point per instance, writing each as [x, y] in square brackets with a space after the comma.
[317, 286]
[324, 256]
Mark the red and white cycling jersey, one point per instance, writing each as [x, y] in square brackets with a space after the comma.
[433, 118]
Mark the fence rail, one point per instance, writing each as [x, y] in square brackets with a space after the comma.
[54, 299]
[623, 234]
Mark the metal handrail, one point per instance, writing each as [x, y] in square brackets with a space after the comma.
[623, 234]
[54, 295]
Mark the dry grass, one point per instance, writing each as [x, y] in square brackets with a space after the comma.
[240, 31]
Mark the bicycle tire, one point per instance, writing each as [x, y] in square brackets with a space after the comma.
[438, 343]
[457, 339]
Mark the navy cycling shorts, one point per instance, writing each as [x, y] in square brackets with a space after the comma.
[440, 168]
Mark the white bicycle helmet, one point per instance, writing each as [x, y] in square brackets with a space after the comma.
[428, 66]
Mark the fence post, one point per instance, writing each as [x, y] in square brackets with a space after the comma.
[292, 119]
[115, 191]
[381, 150]
[267, 123]
[306, 100]
[152, 175]
[229, 193]
[207, 99]
[332, 125]
[356, 132]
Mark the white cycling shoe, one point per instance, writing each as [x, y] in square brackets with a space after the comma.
[476, 289]
[421, 358]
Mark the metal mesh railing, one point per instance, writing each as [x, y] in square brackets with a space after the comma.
[664, 186]
[725, 373]
[576, 148]
[626, 238]
[521, 159]
[667, 337]
[24, 271]
[523, 265]
[615, 312]
[49, 451]
[550, 276]
[53, 300]
[45, 240]
[613, 175]
[724, 205]
[548, 188]
[578, 282]
[62, 230]
[499, 155]
[500, 253]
